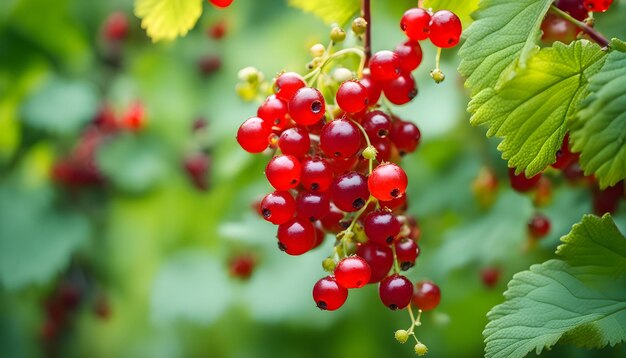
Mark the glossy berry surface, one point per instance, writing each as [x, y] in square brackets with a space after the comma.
[377, 124]
[221, 3]
[312, 206]
[384, 66]
[426, 295]
[378, 257]
[410, 55]
[381, 227]
[307, 106]
[539, 226]
[387, 181]
[395, 291]
[352, 97]
[373, 88]
[328, 294]
[332, 222]
[283, 172]
[353, 272]
[296, 236]
[400, 90]
[555, 28]
[445, 29]
[252, 135]
[416, 24]
[316, 174]
[340, 139]
[278, 207]
[287, 84]
[274, 112]
[597, 5]
[406, 252]
[295, 141]
[349, 191]
[405, 135]
[521, 183]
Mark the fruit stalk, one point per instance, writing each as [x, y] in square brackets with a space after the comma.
[367, 15]
[590, 31]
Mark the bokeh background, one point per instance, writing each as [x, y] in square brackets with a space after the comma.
[110, 248]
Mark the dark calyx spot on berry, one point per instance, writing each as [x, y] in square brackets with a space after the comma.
[450, 41]
[316, 106]
[344, 224]
[405, 265]
[395, 193]
[294, 181]
[413, 93]
[383, 133]
[322, 305]
[312, 219]
[277, 121]
[559, 153]
[389, 239]
[402, 153]
[367, 101]
[337, 154]
[282, 246]
[358, 203]
[315, 187]
[359, 283]
[393, 307]
[403, 26]
[267, 213]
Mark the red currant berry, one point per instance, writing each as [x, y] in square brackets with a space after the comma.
[407, 252]
[328, 294]
[319, 236]
[521, 183]
[274, 112]
[490, 276]
[349, 191]
[307, 106]
[218, 30]
[426, 295]
[384, 66]
[387, 181]
[607, 200]
[332, 221]
[197, 167]
[576, 8]
[445, 29]
[287, 84]
[373, 89]
[340, 139]
[353, 272]
[378, 257]
[395, 291]
[410, 54]
[294, 141]
[283, 172]
[377, 124]
[312, 206]
[209, 64]
[316, 175]
[252, 135]
[394, 204]
[384, 149]
[296, 236]
[405, 135]
[381, 227]
[134, 119]
[352, 97]
[342, 166]
[221, 3]
[116, 27]
[415, 24]
[401, 90]
[555, 28]
[597, 5]
[278, 207]
[242, 266]
[564, 157]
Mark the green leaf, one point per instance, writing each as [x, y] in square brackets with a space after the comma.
[599, 132]
[578, 299]
[504, 32]
[168, 19]
[463, 9]
[531, 111]
[330, 11]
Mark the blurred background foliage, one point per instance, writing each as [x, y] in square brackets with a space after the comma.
[141, 255]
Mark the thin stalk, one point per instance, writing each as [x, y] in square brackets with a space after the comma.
[594, 34]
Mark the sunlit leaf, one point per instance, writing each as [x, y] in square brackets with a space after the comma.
[168, 19]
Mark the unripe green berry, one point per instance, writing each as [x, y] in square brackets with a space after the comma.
[317, 50]
[402, 336]
[359, 233]
[342, 74]
[246, 91]
[359, 25]
[370, 153]
[328, 264]
[421, 349]
[437, 75]
[337, 34]
[250, 74]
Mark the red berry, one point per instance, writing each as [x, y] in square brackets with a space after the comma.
[405, 135]
[278, 207]
[116, 26]
[384, 149]
[217, 30]
[342, 166]
[564, 157]
[209, 64]
[287, 84]
[274, 112]
[607, 200]
[395, 291]
[401, 90]
[490, 276]
[134, 119]
[352, 97]
[576, 8]
[353, 272]
[295, 141]
[555, 28]
[393, 204]
[597, 5]
[340, 139]
[445, 29]
[221, 3]
[384, 66]
[312, 206]
[387, 181]
[349, 191]
[377, 124]
[381, 227]
[378, 257]
[332, 221]
[316, 175]
[242, 266]
[319, 236]
[197, 167]
[252, 135]
[328, 294]
[410, 54]
[374, 89]
[296, 236]
[283, 172]
[521, 183]
[426, 295]
[406, 252]
[307, 106]
[415, 24]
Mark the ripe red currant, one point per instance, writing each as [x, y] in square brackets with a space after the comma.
[539, 226]
[352, 97]
[278, 207]
[378, 257]
[415, 24]
[294, 141]
[116, 27]
[521, 183]
[387, 181]
[242, 266]
[283, 172]
[287, 84]
[221, 3]
[384, 149]
[607, 200]
[395, 291]
[353, 272]
[406, 252]
[576, 8]
[426, 295]
[328, 294]
[393, 204]
[597, 5]
[405, 135]
[384, 66]
[349, 191]
[296, 236]
[400, 90]
[332, 222]
[381, 227]
[445, 29]
[377, 124]
[252, 135]
[340, 139]
[307, 106]
[312, 206]
[555, 28]
[319, 236]
[490, 276]
[564, 157]
[410, 54]
[374, 89]
[316, 175]
[274, 112]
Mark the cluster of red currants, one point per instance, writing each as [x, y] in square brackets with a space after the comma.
[557, 28]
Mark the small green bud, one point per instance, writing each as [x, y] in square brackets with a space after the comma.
[437, 75]
[351, 247]
[359, 25]
[342, 74]
[317, 50]
[250, 74]
[337, 34]
[421, 349]
[359, 233]
[328, 264]
[370, 153]
[246, 91]
[402, 336]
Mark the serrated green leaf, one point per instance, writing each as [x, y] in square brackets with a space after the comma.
[504, 32]
[599, 132]
[463, 9]
[531, 111]
[330, 11]
[168, 19]
[578, 299]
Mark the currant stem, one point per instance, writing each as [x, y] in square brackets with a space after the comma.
[396, 266]
[367, 15]
[438, 58]
[593, 33]
[367, 140]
